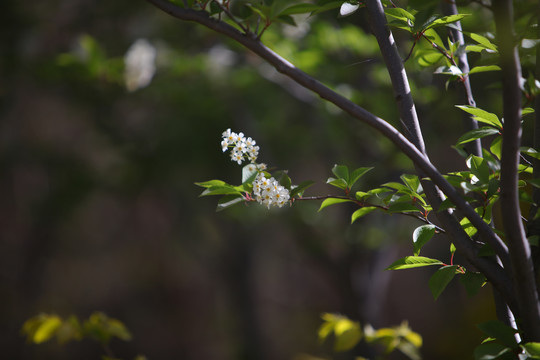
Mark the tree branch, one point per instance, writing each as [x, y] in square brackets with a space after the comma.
[409, 118]
[456, 35]
[520, 253]
[493, 272]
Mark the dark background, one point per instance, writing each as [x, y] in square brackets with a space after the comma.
[99, 211]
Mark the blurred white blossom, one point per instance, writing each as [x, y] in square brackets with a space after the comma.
[220, 59]
[140, 64]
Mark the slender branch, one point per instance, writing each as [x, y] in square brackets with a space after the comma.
[366, 204]
[492, 271]
[520, 252]
[450, 8]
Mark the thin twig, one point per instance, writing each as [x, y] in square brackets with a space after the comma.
[367, 204]
[231, 16]
[456, 33]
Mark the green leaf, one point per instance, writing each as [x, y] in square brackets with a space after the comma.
[210, 183]
[221, 190]
[445, 20]
[477, 134]
[482, 115]
[397, 186]
[440, 279]
[496, 147]
[446, 204]
[479, 168]
[102, 328]
[409, 262]
[484, 41]
[357, 174]
[341, 172]
[325, 330]
[249, 173]
[411, 181]
[468, 227]
[70, 329]
[332, 201]
[427, 57]
[299, 9]
[264, 12]
[492, 351]
[41, 328]
[484, 68]
[399, 13]
[285, 180]
[532, 349]
[347, 332]
[503, 333]
[432, 36]
[473, 282]
[534, 182]
[300, 188]
[400, 24]
[493, 187]
[421, 236]
[449, 70]
[328, 6]
[531, 152]
[526, 111]
[347, 339]
[361, 212]
[339, 183]
[285, 19]
[402, 207]
[229, 200]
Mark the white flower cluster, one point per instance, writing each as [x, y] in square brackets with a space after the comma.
[268, 191]
[242, 148]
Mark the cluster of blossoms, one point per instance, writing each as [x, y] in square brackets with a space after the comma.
[242, 148]
[266, 191]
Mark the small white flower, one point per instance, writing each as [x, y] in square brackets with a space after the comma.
[224, 145]
[238, 157]
[250, 142]
[240, 137]
[226, 133]
[240, 147]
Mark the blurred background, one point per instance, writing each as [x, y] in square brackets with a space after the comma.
[99, 211]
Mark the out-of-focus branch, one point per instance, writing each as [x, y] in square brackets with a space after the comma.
[492, 271]
[533, 226]
[450, 8]
[520, 253]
